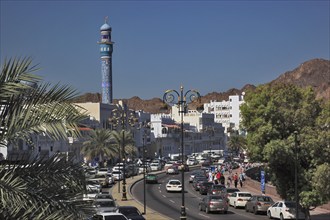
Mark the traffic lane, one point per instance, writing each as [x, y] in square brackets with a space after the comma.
[169, 203]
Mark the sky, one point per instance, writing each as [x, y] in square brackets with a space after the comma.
[210, 46]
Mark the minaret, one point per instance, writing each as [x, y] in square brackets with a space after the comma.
[106, 47]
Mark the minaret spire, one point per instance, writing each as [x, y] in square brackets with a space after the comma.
[106, 46]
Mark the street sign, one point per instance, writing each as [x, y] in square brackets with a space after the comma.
[262, 181]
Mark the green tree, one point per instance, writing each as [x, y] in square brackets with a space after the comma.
[124, 138]
[99, 144]
[271, 115]
[43, 188]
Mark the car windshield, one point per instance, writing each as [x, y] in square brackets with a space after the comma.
[114, 217]
[129, 211]
[218, 187]
[105, 203]
[216, 198]
[290, 204]
[175, 183]
[265, 199]
[232, 190]
[244, 194]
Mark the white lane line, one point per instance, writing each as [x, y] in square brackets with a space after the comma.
[164, 196]
[205, 216]
[172, 201]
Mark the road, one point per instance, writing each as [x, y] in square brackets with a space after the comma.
[169, 204]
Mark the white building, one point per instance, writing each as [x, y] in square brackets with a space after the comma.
[226, 112]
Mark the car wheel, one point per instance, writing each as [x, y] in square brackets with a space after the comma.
[225, 212]
[235, 205]
[207, 210]
[281, 216]
[269, 214]
[200, 207]
[246, 208]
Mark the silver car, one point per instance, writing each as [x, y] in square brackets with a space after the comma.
[213, 203]
[258, 203]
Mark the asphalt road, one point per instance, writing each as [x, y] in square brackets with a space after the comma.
[169, 203]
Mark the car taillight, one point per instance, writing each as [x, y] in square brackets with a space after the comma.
[258, 204]
[239, 199]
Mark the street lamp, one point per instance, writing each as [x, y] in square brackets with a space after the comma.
[296, 172]
[181, 100]
[123, 116]
[144, 174]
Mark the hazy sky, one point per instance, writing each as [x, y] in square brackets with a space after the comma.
[159, 45]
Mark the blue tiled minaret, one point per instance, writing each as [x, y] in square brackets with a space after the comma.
[106, 47]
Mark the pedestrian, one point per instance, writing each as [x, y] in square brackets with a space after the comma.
[235, 180]
[241, 179]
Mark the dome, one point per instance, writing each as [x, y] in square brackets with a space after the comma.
[105, 27]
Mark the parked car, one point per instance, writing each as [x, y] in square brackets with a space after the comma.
[151, 178]
[172, 170]
[284, 210]
[204, 187]
[117, 175]
[213, 203]
[239, 199]
[217, 189]
[173, 185]
[109, 216]
[105, 205]
[131, 212]
[104, 196]
[258, 203]
[103, 170]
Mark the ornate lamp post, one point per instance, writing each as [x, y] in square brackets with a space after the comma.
[181, 100]
[296, 172]
[123, 116]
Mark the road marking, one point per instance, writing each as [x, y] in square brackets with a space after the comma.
[172, 201]
[164, 196]
[205, 216]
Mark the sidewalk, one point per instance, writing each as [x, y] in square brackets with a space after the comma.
[254, 187]
[150, 215]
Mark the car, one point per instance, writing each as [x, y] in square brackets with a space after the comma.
[258, 203]
[227, 191]
[117, 175]
[173, 185]
[151, 178]
[103, 196]
[216, 189]
[155, 166]
[197, 182]
[183, 167]
[131, 212]
[213, 203]
[172, 170]
[105, 205]
[284, 210]
[204, 187]
[196, 173]
[103, 170]
[109, 216]
[239, 199]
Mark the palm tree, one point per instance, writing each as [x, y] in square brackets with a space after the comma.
[99, 145]
[236, 143]
[43, 188]
[124, 138]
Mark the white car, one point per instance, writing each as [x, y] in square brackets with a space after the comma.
[155, 166]
[117, 175]
[109, 215]
[239, 199]
[172, 170]
[284, 210]
[173, 185]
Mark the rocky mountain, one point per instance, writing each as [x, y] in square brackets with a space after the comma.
[315, 73]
